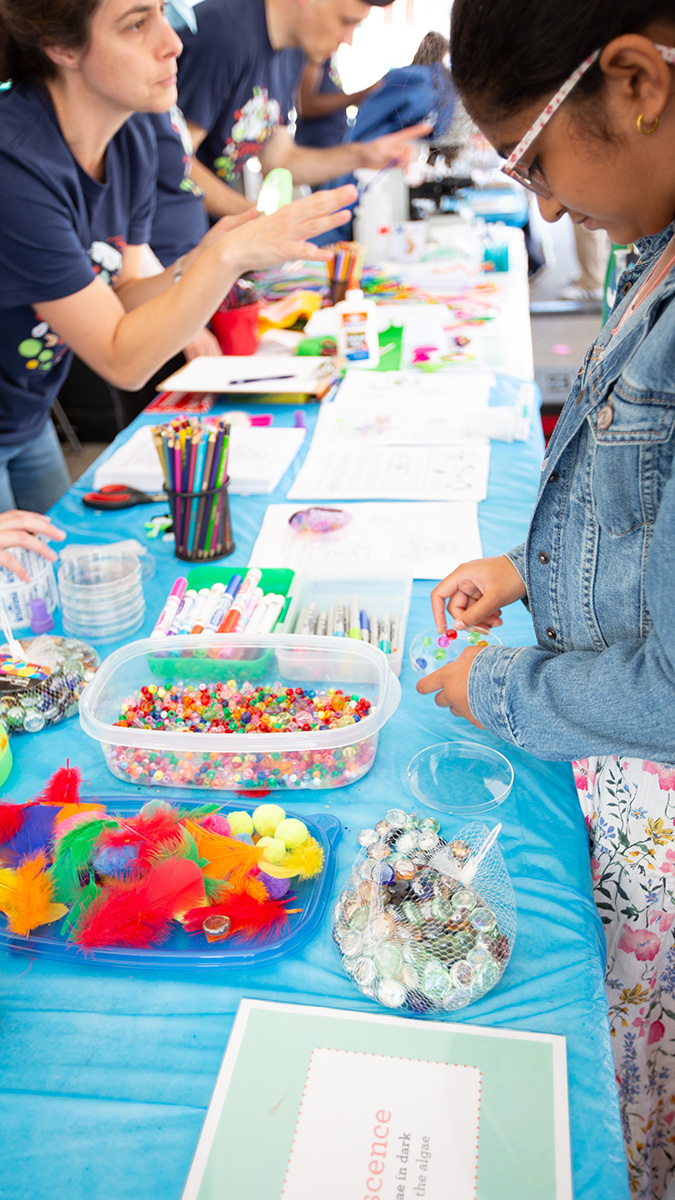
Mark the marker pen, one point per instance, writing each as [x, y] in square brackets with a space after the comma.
[203, 598]
[374, 629]
[322, 624]
[310, 619]
[183, 613]
[339, 623]
[385, 635]
[256, 619]
[395, 628]
[354, 621]
[251, 581]
[171, 606]
[249, 611]
[213, 603]
[272, 613]
[365, 625]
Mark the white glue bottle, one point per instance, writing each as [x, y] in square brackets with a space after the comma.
[357, 330]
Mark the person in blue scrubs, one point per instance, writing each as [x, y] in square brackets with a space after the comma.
[78, 162]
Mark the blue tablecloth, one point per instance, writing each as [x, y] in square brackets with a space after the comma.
[106, 1075]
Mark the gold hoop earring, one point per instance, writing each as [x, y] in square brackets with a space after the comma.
[641, 127]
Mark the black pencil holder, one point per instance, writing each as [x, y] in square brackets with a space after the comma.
[201, 523]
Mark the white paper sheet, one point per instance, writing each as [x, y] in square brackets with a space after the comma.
[403, 408]
[219, 374]
[409, 1129]
[426, 541]
[258, 458]
[358, 470]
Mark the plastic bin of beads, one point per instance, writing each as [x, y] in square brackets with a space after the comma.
[419, 927]
[15, 595]
[377, 597]
[183, 951]
[197, 739]
[45, 688]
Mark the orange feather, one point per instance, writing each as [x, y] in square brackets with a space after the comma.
[228, 858]
[26, 896]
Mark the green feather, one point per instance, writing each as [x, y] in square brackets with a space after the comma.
[72, 856]
[87, 894]
[193, 814]
[216, 890]
[186, 848]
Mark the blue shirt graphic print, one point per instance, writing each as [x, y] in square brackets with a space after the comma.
[61, 228]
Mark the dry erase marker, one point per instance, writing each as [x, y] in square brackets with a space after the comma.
[330, 624]
[250, 581]
[253, 603]
[354, 621]
[385, 635]
[186, 616]
[322, 624]
[173, 603]
[203, 598]
[339, 623]
[365, 625]
[374, 629]
[211, 603]
[395, 625]
[310, 619]
[183, 612]
[272, 613]
[258, 617]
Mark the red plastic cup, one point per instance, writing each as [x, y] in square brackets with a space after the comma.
[237, 329]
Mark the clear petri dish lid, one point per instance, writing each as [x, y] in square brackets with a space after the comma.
[430, 650]
[464, 778]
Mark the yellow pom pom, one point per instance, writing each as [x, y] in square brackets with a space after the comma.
[274, 850]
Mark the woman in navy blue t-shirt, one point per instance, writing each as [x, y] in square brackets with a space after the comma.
[78, 163]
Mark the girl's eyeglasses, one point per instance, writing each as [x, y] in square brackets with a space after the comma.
[532, 177]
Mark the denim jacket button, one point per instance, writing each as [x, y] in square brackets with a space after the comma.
[551, 633]
[605, 417]
[626, 288]
[543, 557]
[554, 477]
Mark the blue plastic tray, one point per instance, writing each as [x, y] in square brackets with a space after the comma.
[192, 951]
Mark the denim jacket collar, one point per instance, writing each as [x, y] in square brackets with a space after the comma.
[604, 363]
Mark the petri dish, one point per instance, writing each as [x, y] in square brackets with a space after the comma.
[464, 778]
[430, 650]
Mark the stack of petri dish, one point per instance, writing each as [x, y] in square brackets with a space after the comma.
[102, 595]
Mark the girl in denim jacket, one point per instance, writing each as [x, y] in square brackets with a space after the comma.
[580, 100]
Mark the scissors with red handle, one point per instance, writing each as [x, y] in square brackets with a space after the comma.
[118, 495]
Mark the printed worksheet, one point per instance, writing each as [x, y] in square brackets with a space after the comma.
[361, 470]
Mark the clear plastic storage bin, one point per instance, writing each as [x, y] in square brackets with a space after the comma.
[322, 758]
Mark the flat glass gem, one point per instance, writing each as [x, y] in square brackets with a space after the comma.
[391, 993]
[465, 898]
[396, 816]
[364, 971]
[378, 851]
[427, 841]
[381, 872]
[382, 926]
[388, 959]
[359, 919]
[421, 663]
[478, 957]
[461, 850]
[483, 919]
[353, 942]
[407, 842]
[367, 837]
[441, 909]
[217, 925]
[403, 868]
[381, 828]
[462, 974]
[430, 824]
[439, 655]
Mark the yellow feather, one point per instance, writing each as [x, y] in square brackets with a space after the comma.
[26, 896]
[305, 862]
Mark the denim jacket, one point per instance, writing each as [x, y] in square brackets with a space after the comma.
[599, 559]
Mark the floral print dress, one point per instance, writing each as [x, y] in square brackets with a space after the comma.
[629, 807]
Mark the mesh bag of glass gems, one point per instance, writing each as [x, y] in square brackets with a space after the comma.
[45, 687]
[424, 923]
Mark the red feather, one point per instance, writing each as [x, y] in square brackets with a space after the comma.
[63, 787]
[149, 832]
[140, 913]
[11, 820]
[248, 917]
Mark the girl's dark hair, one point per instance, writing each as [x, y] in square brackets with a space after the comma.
[506, 54]
[28, 25]
[432, 49]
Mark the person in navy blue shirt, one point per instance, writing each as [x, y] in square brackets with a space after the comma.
[78, 162]
[322, 105]
[227, 91]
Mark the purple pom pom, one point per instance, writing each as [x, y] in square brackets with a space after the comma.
[276, 888]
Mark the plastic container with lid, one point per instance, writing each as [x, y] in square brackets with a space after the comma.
[16, 595]
[322, 758]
